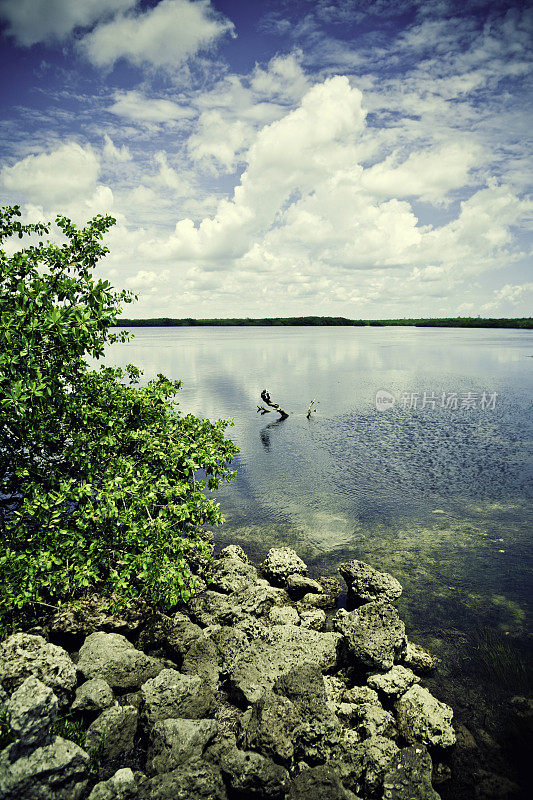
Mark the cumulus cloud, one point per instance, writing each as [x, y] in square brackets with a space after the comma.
[163, 36]
[136, 106]
[113, 153]
[510, 295]
[32, 21]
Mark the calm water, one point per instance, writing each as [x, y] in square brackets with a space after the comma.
[438, 496]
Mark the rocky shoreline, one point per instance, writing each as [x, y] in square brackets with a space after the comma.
[260, 688]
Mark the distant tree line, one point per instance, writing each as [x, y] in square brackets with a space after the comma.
[445, 322]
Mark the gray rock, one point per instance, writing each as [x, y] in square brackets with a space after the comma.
[122, 786]
[335, 687]
[93, 695]
[299, 585]
[318, 739]
[372, 720]
[233, 551]
[374, 634]
[419, 659]
[282, 562]
[366, 584]
[284, 615]
[23, 655]
[113, 658]
[360, 694]
[197, 780]
[304, 686]
[318, 783]
[113, 732]
[375, 756]
[253, 775]
[395, 682]
[56, 771]
[202, 659]
[32, 709]
[172, 695]
[270, 727]
[213, 608]
[175, 741]
[284, 647]
[228, 575]
[409, 776]
[180, 635]
[231, 642]
[422, 719]
[312, 600]
[314, 618]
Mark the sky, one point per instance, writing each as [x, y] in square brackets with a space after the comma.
[358, 158]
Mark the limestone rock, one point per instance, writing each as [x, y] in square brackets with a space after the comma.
[314, 618]
[175, 741]
[22, 655]
[318, 783]
[122, 786]
[360, 694]
[304, 686]
[93, 695]
[270, 727]
[375, 756]
[112, 733]
[422, 719]
[202, 659]
[252, 775]
[372, 720]
[56, 771]
[233, 551]
[409, 776]
[298, 585]
[172, 695]
[113, 658]
[366, 584]
[32, 709]
[227, 574]
[282, 562]
[374, 634]
[284, 615]
[395, 682]
[285, 646]
[419, 659]
[198, 780]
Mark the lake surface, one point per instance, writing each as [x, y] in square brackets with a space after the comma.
[440, 496]
[436, 488]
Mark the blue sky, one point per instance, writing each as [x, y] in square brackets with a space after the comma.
[363, 158]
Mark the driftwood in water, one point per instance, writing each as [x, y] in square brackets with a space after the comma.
[265, 397]
[311, 409]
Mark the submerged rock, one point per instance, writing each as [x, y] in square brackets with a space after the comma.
[409, 776]
[419, 659]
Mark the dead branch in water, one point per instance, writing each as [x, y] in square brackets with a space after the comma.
[311, 409]
[265, 397]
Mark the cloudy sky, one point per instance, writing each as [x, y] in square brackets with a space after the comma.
[363, 158]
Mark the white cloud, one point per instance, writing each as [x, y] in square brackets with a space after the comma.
[510, 295]
[32, 21]
[218, 141]
[58, 177]
[163, 36]
[136, 106]
[113, 153]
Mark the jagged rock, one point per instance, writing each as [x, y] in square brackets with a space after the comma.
[233, 551]
[284, 615]
[366, 584]
[172, 695]
[181, 635]
[375, 756]
[314, 618]
[361, 694]
[202, 659]
[230, 642]
[122, 786]
[175, 741]
[32, 709]
[318, 739]
[319, 783]
[395, 682]
[372, 720]
[93, 695]
[213, 608]
[248, 773]
[270, 726]
[78, 620]
[304, 686]
[228, 575]
[422, 719]
[334, 686]
[198, 780]
[23, 655]
[113, 658]
[374, 634]
[284, 647]
[282, 562]
[112, 733]
[311, 601]
[419, 659]
[55, 771]
[409, 776]
[298, 585]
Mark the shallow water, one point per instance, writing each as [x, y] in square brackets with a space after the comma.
[439, 496]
